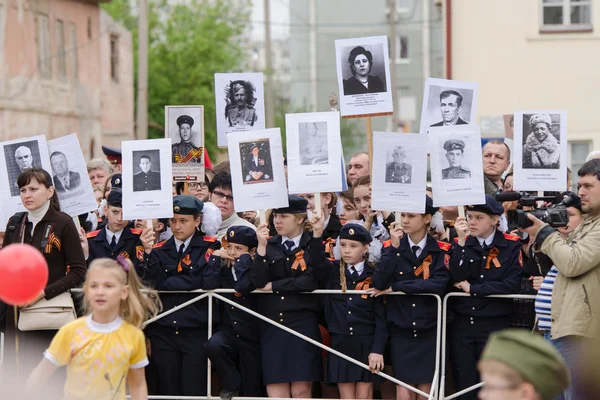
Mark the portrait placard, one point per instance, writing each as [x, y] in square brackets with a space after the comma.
[399, 172]
[448, 103]
[16, 156]
[240, 103]
[147, 184]
[257, 176]
[456, 165]
[540, 150]
[314, 148]
[184, 125]
[363, 74]
[69, 174]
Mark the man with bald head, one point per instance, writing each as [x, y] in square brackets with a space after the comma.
[496, 160]
[23, 158]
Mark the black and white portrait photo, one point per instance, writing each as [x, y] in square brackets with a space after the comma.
[454, 150]
[146, 170]
[541, 141]
[313, 143]
[65, 180]
[19, 157]
[185, 128]
[255, 157]
[447, 103]
[365, 71]
[240, 100]
[398, 170]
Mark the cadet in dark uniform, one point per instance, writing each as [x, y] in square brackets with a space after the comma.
[398, 171]
[182, 263]
[146, 179]
[413, 262]
[235, 349]
[455, 149]
[283, 265]
[486, 263]
[185, 151]
[116, 238]
[356, 322]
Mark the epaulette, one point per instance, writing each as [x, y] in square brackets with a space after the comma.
[444, 245]
[159, 244]
[387, 243]
[93, 234]
[210, 239]
[136, 231]
[510, 237]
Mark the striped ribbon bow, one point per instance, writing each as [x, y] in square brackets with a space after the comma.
[424, 267]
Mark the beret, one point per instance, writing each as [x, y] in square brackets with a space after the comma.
[429, 208]
[243, 235]
[454, 144]
[296, 205]
[537, 118]
[115, 198]
[116, 181]
[187, 205]
[491, 206]
[355, 232]
[185, 119]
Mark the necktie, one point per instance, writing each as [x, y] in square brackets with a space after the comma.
[113, 243]
[484, 246]
[289, 245]
[180, 253]
[414, 249]
[67, 184]
[354, 273]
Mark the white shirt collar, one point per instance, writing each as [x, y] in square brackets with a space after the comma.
[488, 240]
[185, 244]
[421, 245]
[109, 235]
[103, 328]
[296, 240]
[327, 221]
[359, 267]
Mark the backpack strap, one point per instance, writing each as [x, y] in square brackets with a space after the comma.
[12, 224]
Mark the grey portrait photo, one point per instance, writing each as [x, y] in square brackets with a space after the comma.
[146, 170]
[256, 161]
[454, 154]
[313, 143]
[65, 179]
[448, 106]
[185, 127]
[398, 168]
[363, 69]
[541, 141]
[19, 157]
[240, 101]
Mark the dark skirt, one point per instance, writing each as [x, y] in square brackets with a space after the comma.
[287, 358]
[413, 358]
[357, 347]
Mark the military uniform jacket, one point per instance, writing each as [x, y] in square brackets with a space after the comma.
[398, 269]
[186, 153]
[288, 279]
[455, 173]
[146, 181]
[129, 246]
[503, 276]
[399, 173]
[350, 314]
[198, 271]
[242, 324]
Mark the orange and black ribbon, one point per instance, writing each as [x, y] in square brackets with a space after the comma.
[329, 243]
[52, 240]
[299, 261]
[493, 258]
[424, 267]
[364, 285]
[192, 154]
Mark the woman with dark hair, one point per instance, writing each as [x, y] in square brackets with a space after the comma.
[240, 109]
[361, 63]
[54, 234]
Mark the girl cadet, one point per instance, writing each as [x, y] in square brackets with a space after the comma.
[182, 263]
[356, 322]
[283, 265]
[414, 263]
[105, 351]
[488, 262]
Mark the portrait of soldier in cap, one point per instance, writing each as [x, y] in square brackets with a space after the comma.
[240, 100]
[256, 162]
[313, 143]
[455, 151]
[398, 171]
[185, 151]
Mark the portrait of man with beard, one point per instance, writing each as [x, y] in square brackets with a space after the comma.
[240, 110]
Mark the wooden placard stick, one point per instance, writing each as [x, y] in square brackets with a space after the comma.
[318, 210]
[262, 217]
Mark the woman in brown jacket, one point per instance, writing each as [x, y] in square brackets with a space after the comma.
[54, 234]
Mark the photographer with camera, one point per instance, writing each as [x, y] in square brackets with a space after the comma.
[576, 291]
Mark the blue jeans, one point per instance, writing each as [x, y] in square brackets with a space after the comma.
[569, 348]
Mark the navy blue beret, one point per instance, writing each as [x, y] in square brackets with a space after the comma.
[355, 232]
[491, 206]
[187, 205]
[296, 205]
[243, 235]
[115, 198]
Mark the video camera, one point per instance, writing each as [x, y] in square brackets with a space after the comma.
[555, 215]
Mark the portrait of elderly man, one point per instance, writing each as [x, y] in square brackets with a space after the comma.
[313, 143]
[450, 107]
[185, 151]
[541, 149]
[258, 167]
[240, 110]
[398, 171]
[23, 160]
[455, 151]
[361, 64]
[64, 180]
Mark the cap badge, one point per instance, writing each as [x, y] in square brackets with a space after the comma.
[176, 208]
[351, 231]
[231, 234]
[117, 181]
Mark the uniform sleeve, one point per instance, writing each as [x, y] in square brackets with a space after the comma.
[381, 331]
[384, 273]
[241, 267]
[436, 284]
[305, 281]
[259, 271]
[151, 270]
[510, 282]
[138, 357]
[323, 266]
[59, 352]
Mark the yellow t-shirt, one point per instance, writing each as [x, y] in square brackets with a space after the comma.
[98, 357]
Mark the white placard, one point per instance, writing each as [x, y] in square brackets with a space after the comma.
[399, 172]
[69, 173]
[240, 102]
[257, 176]
[363, 71]
[314, 148]
[448, 103]
[17, 155]
[147, 184]
[540, 149]
[456, 165]
[184, 125]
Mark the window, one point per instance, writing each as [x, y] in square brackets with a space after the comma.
[73, 52]
[59, 28]
[566, 15]
[402, 49]
[578, 152]
[43, 43]
[114, 57]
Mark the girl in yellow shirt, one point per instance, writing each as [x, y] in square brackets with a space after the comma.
[105, 350]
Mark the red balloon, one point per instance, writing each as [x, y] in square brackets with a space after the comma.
[23, 273]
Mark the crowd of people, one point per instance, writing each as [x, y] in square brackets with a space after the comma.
[346, 245]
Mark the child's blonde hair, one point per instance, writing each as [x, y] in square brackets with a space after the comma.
[142, 302]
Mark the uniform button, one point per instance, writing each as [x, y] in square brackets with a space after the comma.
[232, 308]
[281, 314]
[165, 270]
[282, 298]
[398, 254]
[288, 259]
[237, 335]
[174, 322]
[414, 305]
[191, 267]
[471, 318]
[177, 332]
[414, 267]
[349, 312]
[350, 328]
[235, 322]
[401, 273]
[481, 276]
[414, 323]
[415, 335]
[350, 298]
[484, 257]
[354, 283]
[473, 308]
[281, 320]
[463, 250]
[472, 322]
[415, 331]
[471, 260]
[352, 333]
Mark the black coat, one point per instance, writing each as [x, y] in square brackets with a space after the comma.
[129, 246]
[353, 86]
[459, 122]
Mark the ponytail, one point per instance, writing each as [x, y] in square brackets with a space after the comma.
[343, 275]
